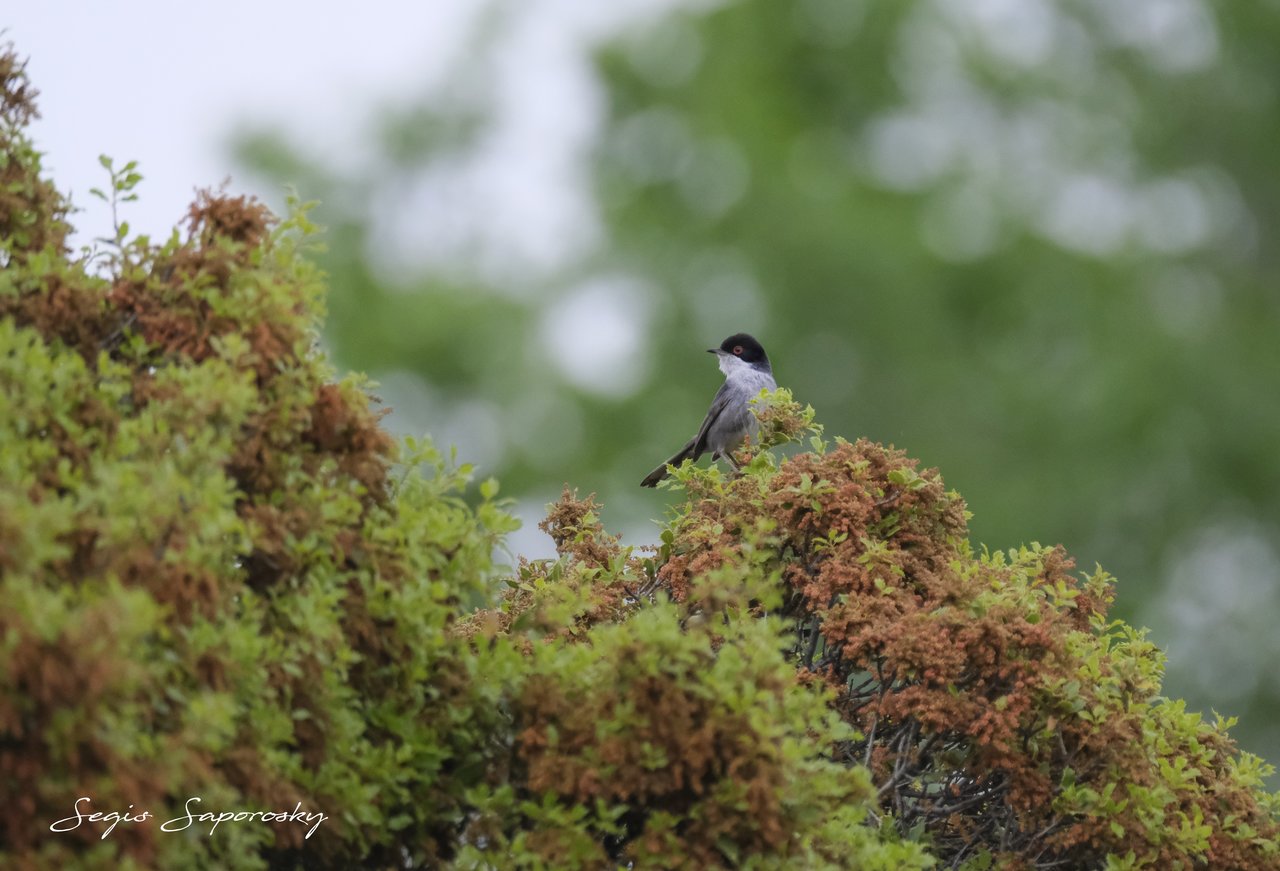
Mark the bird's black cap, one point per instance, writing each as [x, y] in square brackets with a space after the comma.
[744, 347]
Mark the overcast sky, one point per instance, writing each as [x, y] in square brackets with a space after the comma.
[167, 84]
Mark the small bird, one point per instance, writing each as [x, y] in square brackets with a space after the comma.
[729, 421]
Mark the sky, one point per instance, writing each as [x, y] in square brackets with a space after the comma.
[165, 84]
[169, 84]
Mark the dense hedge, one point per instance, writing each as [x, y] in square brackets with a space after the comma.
[220, 578]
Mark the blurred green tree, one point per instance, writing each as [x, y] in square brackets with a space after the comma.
[1027, 239]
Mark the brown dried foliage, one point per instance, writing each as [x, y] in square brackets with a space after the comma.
[564, 753]
[346, 428]
[43, 679]
[588, 551]
[73, 311]
[172, 307]
[32, 212]
[574, 525]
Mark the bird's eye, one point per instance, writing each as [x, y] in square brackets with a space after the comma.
[737, 349]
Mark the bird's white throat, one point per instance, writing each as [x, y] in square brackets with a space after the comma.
[731, 365]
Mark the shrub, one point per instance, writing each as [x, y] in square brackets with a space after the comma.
[214, 581]
[1003, 719]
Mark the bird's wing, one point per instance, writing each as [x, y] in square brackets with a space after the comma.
[697, 445]
[718, 405]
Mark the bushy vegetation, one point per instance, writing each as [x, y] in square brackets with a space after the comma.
[1003, 719]
[219, 577]
[214, 579]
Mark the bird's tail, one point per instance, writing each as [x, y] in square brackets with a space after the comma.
[652, 479]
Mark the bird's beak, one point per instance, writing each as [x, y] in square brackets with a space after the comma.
[713, 350]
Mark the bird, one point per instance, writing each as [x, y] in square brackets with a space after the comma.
[729, 421]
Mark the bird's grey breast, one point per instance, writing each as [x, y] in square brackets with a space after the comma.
[737, 421]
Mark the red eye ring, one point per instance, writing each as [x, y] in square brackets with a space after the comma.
[737, 349]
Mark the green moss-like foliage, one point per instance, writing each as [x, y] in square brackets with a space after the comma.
[220, 578]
